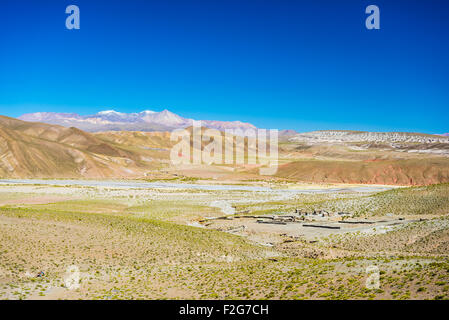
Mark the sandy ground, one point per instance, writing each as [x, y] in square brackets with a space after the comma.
[37, 200]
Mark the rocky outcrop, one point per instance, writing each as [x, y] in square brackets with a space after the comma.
[315, 137]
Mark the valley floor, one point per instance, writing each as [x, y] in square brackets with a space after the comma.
[205, 240]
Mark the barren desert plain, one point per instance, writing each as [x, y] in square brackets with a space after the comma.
[203, 240]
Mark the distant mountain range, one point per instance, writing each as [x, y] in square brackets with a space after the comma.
[111, 120]
[165, 120]
[40, 150]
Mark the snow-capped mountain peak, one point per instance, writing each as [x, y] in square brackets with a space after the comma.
[106, 112]
[167, 118]
[147, 112]
[113, 116]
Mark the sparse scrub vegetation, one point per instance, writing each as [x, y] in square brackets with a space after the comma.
[136, 245]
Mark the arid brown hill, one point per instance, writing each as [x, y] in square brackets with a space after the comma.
[389, 172]
[41, 150]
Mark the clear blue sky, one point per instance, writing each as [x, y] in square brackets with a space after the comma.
[300, 65]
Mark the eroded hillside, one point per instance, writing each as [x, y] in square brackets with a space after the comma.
[42, 150]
